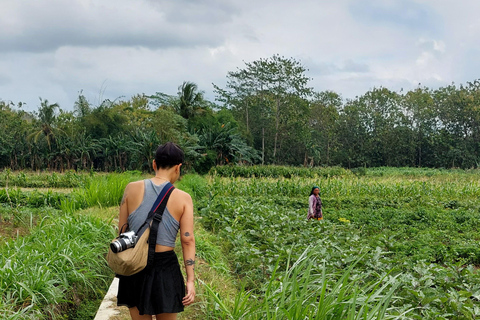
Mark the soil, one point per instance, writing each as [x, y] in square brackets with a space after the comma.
[10, 231]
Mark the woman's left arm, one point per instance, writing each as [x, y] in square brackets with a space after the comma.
[188, 248]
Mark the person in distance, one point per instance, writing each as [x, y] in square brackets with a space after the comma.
[315, 204]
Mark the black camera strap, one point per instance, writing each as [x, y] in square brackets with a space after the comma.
[156, 213]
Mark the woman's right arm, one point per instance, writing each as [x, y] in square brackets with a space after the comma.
[123, 214]
[310, 204]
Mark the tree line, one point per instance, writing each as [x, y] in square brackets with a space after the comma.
[265, 114]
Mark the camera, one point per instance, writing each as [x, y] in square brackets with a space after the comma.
[124, 241]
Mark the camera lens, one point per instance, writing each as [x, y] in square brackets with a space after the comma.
[113, 247]
[118, 246]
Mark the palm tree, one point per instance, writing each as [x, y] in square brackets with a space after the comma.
[190, 100]
[147, 141]
[81, 106]
[84, 150]
[46, 117]
[227, 142]
[45, 128]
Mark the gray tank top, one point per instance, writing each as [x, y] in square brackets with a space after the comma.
[168, 227]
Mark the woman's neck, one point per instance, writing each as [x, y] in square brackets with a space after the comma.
[164, 176]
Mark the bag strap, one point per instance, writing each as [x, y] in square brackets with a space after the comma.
[160, 198]
[125, 225]
[157, 212]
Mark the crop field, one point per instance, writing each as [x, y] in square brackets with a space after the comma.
[394, 244]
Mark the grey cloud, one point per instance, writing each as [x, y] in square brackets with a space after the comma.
[469, 64]
[432, 46]
[407, 14]
[40, 41]
[164, 24]
[352, 66]
[353, 86]
[321, 68]
[347, 66]
[5, 80]
[198, 11]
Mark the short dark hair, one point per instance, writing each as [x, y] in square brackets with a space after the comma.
[168, 155]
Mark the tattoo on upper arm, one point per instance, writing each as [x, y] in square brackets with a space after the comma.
[187, 234]
[190, 262]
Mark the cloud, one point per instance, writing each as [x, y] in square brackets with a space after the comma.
[47, 25]
[431, 45]
[356, 67]
[5, 79]
[115, 48]
[348, 66]
[406, 14]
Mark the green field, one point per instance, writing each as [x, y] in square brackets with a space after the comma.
[394, 244]
[404, 241]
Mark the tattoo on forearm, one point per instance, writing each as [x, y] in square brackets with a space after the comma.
[187, 234]
[190, 262]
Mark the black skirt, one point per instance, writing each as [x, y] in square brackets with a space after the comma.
[154, 290]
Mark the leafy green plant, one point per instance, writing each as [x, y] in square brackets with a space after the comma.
[420, 230]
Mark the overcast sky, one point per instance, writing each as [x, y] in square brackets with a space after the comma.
[118, 48]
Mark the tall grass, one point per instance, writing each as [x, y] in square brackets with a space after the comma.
[57, 266]
[60, 265]
[307, 291]
[95, 190]
[32, 179]
[272, 171]
[417, 172]
[100, 190]
[438, 188]
[33, 199]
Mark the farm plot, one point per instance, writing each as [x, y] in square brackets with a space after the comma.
[393, 245]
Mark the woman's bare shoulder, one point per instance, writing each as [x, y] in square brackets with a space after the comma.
[134, 187]
[180, 194]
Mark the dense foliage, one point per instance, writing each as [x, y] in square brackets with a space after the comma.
[119, 135]
[266, 113]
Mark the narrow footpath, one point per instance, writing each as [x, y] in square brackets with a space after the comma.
[108, 309]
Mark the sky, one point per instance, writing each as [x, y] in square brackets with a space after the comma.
[114, 49]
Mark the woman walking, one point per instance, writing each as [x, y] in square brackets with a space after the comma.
[315, 205]
[160, 290]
